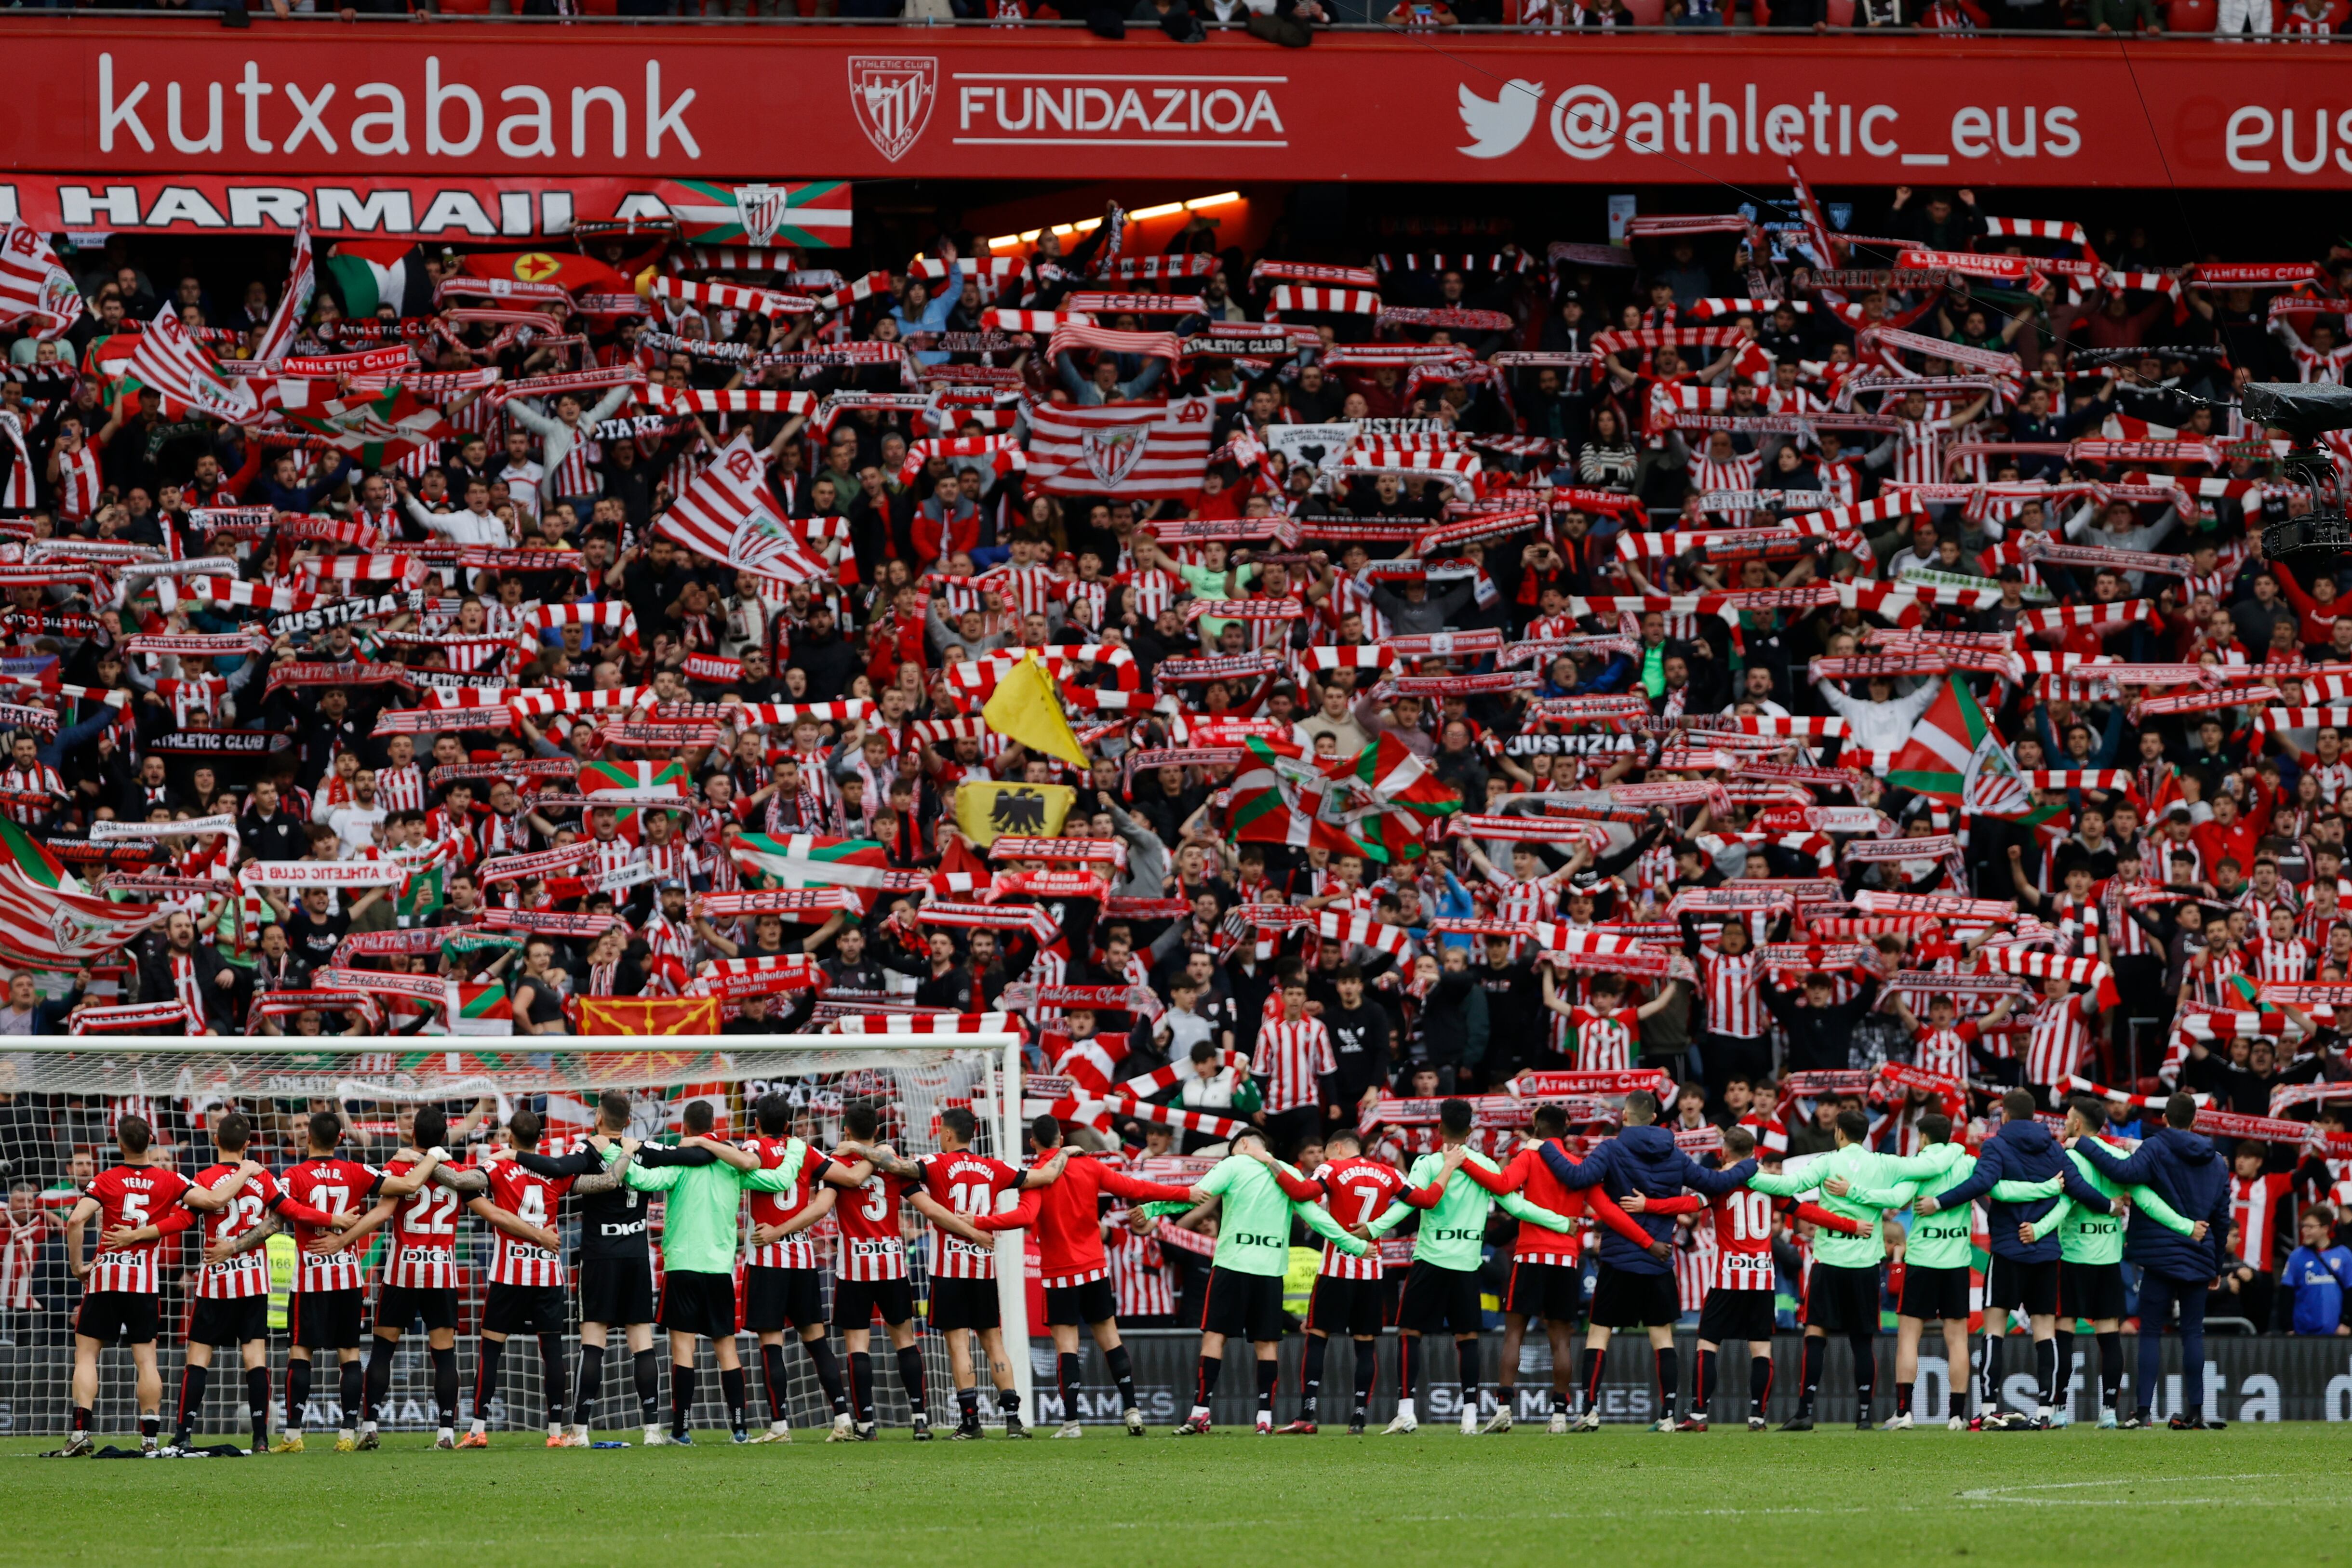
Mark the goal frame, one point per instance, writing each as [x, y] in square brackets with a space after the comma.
[1009, 1127]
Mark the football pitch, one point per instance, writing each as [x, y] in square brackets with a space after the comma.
[2253, 1494]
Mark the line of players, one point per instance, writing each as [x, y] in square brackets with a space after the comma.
[2058, 1239]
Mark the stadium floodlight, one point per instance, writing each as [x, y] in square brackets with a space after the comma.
[890, 1062]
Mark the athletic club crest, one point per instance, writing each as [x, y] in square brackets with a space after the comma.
[1112, 454]
[891, 96]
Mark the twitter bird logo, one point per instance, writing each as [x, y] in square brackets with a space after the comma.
[1496, 129]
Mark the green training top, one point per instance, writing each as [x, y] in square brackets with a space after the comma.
[2087, 1238]
[1453, 1232]
[698, 1220]
[1874, 1184]
[1253, 1225]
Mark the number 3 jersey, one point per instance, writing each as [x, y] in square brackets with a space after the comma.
[872, 1246]
[330, 1187]
[797, 1250]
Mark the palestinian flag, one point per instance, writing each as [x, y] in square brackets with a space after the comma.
[811, 860]
[376, 429]
[619, 781]
[816, 213]
[1954, 754]
[368, 273]
[1280, 798]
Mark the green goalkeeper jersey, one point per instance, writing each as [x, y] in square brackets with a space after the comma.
[700, 1218]
[2087, 1238]
[1453, 1232]
[1254, 1224]
[1874, 1184]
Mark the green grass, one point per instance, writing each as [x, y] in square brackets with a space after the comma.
[2253, 1494]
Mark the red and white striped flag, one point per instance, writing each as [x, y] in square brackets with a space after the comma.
[1119, 449]
[169, 363]
[34, 286]
[302, 283]
[727, 513]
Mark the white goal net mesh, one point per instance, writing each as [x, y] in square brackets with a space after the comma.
[56, 1131]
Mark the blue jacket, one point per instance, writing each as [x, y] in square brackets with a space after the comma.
[2188, 1173]
[2317, 1281]
[2022, 1151]
[1642, 1159]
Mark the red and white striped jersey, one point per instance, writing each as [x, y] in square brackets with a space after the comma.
[612, 855]
[2311, 365]
[2253, 1205]
[1089, 603]
[797, 1250]
[1289, 1058]
[247, 1273]
[968, 1184]
[1919, 452]
[872, 1245]
[2291, 960]
[576, 474]
[421, 1254]
[131, 1196]
[1604, 1042]
[1536, 899]
[1742, 1225]
[39, 779]
[1771, 1132]
[1357, 1191]
[1695, 1258]
[1155, 590]
[1027, 590]
[1734, 1005]
[1944, 1051]
[1141, 1286]
[399, 788]
[2060, 1036]
[78, 484]
[330, 1187]
[531, 1199]
[1737, 473]
[21, 1240]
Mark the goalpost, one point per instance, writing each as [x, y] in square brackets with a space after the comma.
[85, 1084]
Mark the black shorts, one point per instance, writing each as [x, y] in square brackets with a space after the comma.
[616, 1290]
[1622, 1298]
[854, 1301]
[1842, 1301]
[778, 1298]
[398, 1306]
[1243, 1306]
[1438, 1301]
[1934, 1293]
[1078, 1305]
[697, 1304]
[240, 1321]
[326, 1319]
[524, 1308]
[119, 1317]
[2090, 1289]
[964, 1304]
[2033, 1286]
[1336, 1306]
[1552, 1292]
[1726, 1315]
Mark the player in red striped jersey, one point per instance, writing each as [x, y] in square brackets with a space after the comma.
[955, 1186]
[1348, 1295]
[780, 1268]
[1940, 1045]
[329, 1296]
[419, 1274]
[119, 1285]
[870, 1276]
[1546, 1279]
[231, 1304]
[527, 1274]
[1075, 1272]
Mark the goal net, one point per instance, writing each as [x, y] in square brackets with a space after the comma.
[68, 1096]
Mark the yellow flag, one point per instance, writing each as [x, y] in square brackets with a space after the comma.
[1026, 706]
[986, 810]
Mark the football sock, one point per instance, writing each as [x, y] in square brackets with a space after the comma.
[1466, 1353]
[1269, 1374]
[1759, 1383]
[347, 1393]
[81, 1418]
[1594, 1360]
[256, 1402]
[1008, 1402]
[298, 1391]
[1122, 1369]
[1367, 1369]
[1205, 1383]
[1811, 1381]
[646, 1366]
[444, 1385]
[772, 1368]
[2111, 1368]
[734, 1389]
[2063, 1388]
[378, 1386]
[1065, 1384]
[2045, 1373]
[486, 1380]
[968, 1407]
[1408, 1371]
[193, 1379]
[1670, 1380]
[1310, 1374]
[861, 1385]
[910, 1378]
[828, 1373]
[1903, 1399]
[1703, 1387]
[592, 1383]
[1865, 1373]
[681, 1396]
[1990, 1401]
[150, 1423]
[1957, 1401]
[550, 1367]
